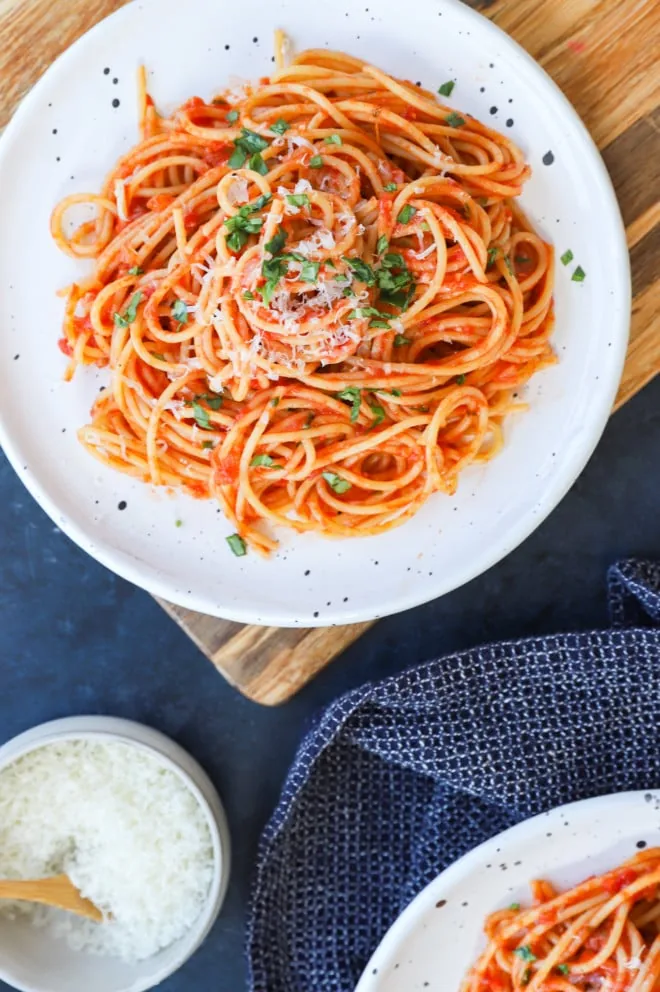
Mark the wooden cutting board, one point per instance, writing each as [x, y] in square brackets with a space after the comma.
[604, 55]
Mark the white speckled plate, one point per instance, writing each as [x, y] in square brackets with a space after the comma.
[438, 937]
[72, 127]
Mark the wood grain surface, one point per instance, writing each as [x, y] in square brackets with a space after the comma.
[604, 56]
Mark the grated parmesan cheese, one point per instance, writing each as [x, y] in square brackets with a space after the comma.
[120, 197]
[238, 191]
[216, 383]
[127, 831]
[296, 141]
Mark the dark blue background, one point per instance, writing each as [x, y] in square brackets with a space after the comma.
[75, 639]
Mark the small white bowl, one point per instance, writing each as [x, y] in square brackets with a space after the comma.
[33, 961]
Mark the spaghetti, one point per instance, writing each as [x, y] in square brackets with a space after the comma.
[604, 934]
[317, 297]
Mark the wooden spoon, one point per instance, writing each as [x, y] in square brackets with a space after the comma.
[56, 891]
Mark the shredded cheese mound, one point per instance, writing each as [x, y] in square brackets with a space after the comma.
[128, 832]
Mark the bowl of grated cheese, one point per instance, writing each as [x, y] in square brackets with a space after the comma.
[139, 828]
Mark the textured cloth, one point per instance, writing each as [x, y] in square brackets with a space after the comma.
[401, 777]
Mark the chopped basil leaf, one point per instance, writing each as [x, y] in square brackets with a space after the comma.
[361, 270]
[180, 312]
[336, 482]
[126, 318]
[242, 223]
[454, 120]
[275, 400]
[252, 141]
[292, 256]
[315, 162]
[579, 274]
[460, 379]
[352, 395]
[563, 969]
[158, 355]
[379, 323]
[395, 392]
[249, 143]
[214, 400]
[390, 187]
[515, 905]
[378, 412]
[396, 289]
[237, 157]
[525, 953]
[247, 295]
[280, 126]
[258, 204]
[310, 271]
[567, 257]
[236, 240]
[381, 244]
[135, 271]
[521, 259]
[507, 262]
[360, 312]
[237, 545]
[400, 299]
[207, 445]
[330, 264]
[348, 292]
[178, 523]
[482, 201]
[266, 292]
[525, 977]
[272, 269]
[232, 116]
[308, 421]
[298, 199]
[277, 242]
[406, 214]
[446, 88]
[257, 164]
[201, 416]
[493, 252]
[263, 461]
[400, 340]
[333, 139]
[393, 260]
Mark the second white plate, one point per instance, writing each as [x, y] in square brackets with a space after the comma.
[440, 934]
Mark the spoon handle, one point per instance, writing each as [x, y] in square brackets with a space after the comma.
[57, 891]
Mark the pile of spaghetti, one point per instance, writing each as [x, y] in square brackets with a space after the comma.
[604, 934]
[316, 295]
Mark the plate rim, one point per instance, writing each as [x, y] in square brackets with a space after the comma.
[271, 614]
[405, 923]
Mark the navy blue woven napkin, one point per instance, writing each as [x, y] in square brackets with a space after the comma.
[400, 778]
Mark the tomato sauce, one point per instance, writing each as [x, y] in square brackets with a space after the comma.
[619, 880]
[227, 469]
[160, 202]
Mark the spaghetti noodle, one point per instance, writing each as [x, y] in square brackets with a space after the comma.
[604, 934]
[317, 297]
